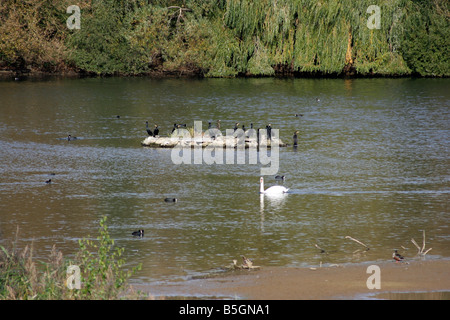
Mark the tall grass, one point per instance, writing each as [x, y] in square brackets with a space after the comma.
[100, 262]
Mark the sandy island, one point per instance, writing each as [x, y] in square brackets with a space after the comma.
[321, 283]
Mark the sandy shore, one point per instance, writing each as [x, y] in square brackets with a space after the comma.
[321, 283]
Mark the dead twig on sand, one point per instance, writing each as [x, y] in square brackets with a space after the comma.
[421, 251]
[246, 264]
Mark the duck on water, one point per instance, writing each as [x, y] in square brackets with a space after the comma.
[70, 138]
[139, 233]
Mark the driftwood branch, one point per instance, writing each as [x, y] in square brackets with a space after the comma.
[246, 264]
[357, 241]
[421, 251]
[423, 241]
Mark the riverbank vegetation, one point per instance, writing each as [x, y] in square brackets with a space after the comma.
[23, 277]
[228, 38]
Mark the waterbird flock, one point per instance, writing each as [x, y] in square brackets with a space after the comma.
[155, 133]
[210, 136]
[176, 126]
[396, 256]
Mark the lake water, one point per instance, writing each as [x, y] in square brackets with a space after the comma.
[372, 163]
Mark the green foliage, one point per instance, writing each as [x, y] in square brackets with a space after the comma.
[101, 45]
[377, 50]
[321, 36]
[101, 267]
[426, 43]
[100, 263]
[260, 62]
[227, 38]
[147, 35]
[31, 34]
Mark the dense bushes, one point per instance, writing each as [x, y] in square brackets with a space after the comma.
[32, 34]
[426, 41]
[219, 38]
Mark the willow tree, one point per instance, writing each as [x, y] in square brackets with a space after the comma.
[376, 50]
[318, 36]
[321, 36]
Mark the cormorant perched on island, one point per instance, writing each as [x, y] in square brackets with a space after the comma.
[156, 131]
[177, 126]
[295, 138]
[269, 131]
[150, 133]
[174, 127]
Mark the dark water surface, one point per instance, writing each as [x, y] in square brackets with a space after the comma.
[372, 163]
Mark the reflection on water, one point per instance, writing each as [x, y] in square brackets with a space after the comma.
[275, 202]
[372, 163]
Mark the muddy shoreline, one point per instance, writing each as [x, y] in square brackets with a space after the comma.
[337, 282]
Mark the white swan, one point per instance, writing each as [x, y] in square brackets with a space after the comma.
[271, 190]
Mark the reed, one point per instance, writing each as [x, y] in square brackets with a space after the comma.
[23, 277]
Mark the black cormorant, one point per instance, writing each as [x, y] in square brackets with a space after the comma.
[150, 133]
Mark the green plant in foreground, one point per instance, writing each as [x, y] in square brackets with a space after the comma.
[21, 277]
[101, 273]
